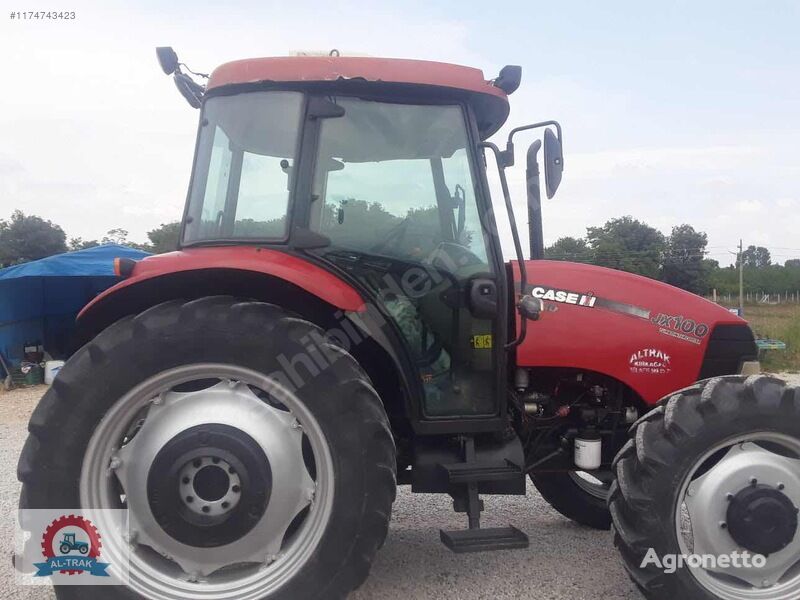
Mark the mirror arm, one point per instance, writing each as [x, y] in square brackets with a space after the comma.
[191, 90]
[523, 277]
[508, 154]
[516, 130]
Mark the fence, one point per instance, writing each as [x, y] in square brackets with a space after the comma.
[787, 297]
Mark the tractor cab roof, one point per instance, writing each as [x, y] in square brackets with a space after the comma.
[389, 79]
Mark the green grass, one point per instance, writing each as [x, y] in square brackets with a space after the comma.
[780, 322]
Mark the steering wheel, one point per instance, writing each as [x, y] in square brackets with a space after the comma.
[451, 257]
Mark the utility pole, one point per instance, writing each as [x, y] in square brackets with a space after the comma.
[741, 279]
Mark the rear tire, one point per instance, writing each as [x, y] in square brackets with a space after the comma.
[680, 447]
[251, 335]
[572, 500]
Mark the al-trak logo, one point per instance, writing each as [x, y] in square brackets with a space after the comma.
[71, 546]
[650, 361]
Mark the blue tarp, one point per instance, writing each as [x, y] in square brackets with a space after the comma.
[39, 300]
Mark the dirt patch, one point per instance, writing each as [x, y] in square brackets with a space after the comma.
[17, 405]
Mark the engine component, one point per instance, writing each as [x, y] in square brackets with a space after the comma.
[533, 408]
[521, 379]
[588, 450]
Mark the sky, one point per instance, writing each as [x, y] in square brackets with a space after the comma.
[676, 112]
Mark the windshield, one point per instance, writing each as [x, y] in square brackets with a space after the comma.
[395, 180]
[246, 150]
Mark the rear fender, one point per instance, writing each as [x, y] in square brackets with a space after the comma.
[265, 275]
[163, 268]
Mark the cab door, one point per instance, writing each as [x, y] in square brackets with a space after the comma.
[396, 194]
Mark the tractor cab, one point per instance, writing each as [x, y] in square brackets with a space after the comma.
[365, 165]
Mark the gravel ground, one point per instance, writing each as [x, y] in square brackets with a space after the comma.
[563, 561]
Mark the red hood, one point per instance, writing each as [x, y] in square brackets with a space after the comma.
[649, 334]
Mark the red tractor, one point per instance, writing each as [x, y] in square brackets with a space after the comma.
[339, 320]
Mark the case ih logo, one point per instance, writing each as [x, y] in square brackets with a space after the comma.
[650, 361]
[563, 296]
[680, 327]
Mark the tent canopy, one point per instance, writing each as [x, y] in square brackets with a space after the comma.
[39, 300]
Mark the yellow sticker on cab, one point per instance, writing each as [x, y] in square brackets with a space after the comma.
[482, 342]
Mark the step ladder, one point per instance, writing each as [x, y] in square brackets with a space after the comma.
[466, 477]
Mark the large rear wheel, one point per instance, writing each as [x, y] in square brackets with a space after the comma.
[711, 475]
[254, 462]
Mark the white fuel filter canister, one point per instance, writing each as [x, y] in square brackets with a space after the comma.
[588, 451]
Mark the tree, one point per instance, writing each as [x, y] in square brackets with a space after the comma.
[78, 243]
[117, 236]
[756, 256]
[569, 248]
[25, 238]
[360, 224]
[628, 245]
[684, 264]
[164, 238]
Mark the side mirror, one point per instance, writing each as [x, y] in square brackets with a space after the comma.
[188, 87]
[553, 162]
[167, 59]
[190, 90]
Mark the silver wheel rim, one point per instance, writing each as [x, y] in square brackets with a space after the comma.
[589, 483]
[702, 508]
[264, 559]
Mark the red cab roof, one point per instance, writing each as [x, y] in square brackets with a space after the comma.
[489, 101]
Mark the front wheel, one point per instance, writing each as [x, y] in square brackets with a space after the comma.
[578, 495]
[705, 502]
[254, 457]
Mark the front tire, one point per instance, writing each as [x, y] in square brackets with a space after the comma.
[314, 390]
[578, 496]
[713, 470]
